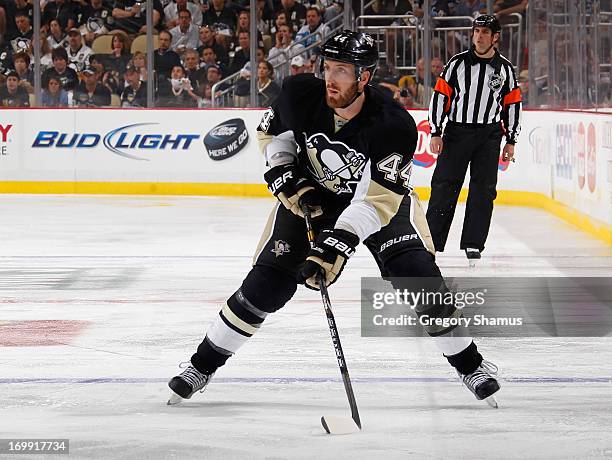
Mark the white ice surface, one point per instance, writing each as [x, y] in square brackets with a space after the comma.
[149, 273]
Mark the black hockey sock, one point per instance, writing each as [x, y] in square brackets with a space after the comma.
[236, 323]
[466, 361]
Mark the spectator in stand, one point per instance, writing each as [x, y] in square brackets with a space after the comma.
[283, 51]
[279, 20]
[135, 93]
[177, 92]
[67, 76]
[97, 20]
[330, 10]
[314, 24]
[78, 54]
[6, 56]
[21, 62]
[130, 15]
[56, 37]
[46, 60]
[267, 13]
[120, 56]
[64, 11]
[420, 74]
[26, 7]
[22, 39]
[295, 14]
[244, 26]
[139, 60]
[213, 74]
[53, 94]
[262, 24]
[267, 89]
[208, 38]
[3, 14]
[243, 87]
[185, 35]
[222, 17]
[193, 71]
[206, 100]
[437, 66]
[90, 93]
[164, 59]
[416, 91]
[11, 94]
[109, 78]
[209, 56]
[298, 65]
[406, 99]
[11, 10]
[172, 13]
[242, 53]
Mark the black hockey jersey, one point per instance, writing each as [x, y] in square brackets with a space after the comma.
[368, 158]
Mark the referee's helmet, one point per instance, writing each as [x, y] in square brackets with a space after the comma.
[489, 21]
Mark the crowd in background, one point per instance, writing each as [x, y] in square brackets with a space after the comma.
[198, 44]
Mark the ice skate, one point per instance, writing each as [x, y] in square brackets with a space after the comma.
[472, 255]
[187, 383]
[482, 382]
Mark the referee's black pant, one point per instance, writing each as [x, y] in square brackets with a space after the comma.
[478, 146]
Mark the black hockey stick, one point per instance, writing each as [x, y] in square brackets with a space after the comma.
[334, 425]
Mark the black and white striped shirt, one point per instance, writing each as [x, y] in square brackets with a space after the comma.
[474, 90]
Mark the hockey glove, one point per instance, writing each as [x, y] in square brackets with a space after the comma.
[293, 191]
[331, 251]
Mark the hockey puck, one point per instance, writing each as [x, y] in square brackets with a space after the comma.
[226, 139]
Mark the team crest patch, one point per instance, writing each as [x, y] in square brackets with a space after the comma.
[334, 164]
[280, 247]
[495, 82]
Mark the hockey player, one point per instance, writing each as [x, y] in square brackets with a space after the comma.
[344, 149]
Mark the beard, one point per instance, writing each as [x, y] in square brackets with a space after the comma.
[341, 98]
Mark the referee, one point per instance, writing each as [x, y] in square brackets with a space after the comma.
[479, 94]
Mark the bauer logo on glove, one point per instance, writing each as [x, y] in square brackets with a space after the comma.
[331, 251]
[292, 190]
[280, 181]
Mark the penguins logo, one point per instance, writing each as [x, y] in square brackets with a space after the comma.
[495, 82]
[281, 247]
[335, 165]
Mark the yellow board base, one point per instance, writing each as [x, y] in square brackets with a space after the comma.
[593, 227]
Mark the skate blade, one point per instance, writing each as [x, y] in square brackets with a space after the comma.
[339, 425]
[472, 262]
[491, 401]
[174, 400]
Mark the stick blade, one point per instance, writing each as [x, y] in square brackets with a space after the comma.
[339, 425]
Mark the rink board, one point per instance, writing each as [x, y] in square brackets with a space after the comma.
[564, 159]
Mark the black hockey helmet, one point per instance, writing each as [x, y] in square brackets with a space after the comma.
[356, 48]
[489, 21]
